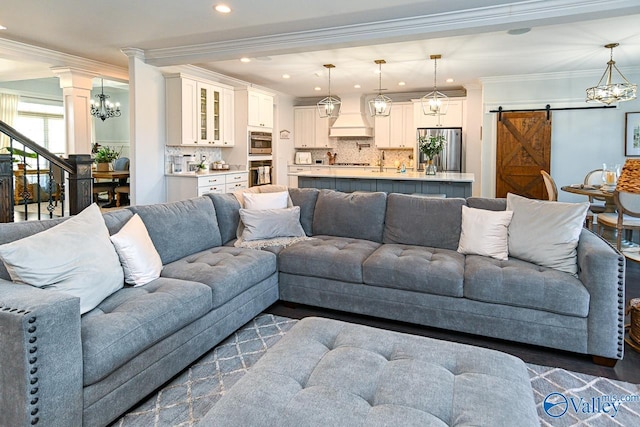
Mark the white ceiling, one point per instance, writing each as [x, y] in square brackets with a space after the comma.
[297, 37]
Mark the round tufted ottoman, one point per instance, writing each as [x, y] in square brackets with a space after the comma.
[330, 373]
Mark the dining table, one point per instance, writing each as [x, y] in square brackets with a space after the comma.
[595, 191]
[113, 175]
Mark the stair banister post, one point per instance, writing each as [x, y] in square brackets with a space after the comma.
[80, 183]
[6, 188]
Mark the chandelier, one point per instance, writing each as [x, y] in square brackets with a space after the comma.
[610, 92]
[435, 103]
[380, 106]
[104, 109]
[329, 106]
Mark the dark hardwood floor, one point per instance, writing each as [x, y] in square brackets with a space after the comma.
[627, 369]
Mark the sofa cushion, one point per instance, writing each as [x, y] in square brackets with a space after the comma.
[133, 319]
[485, 232]
[271, 223]
[545, 232]
[523, 284]
[306, 198]
[227, 207]
[356, 215]
[181, 228]
[330, 257]
[416, 268]
[423, 221]
[140, 260]
[487, 203]
[75, 257]
[228, 271]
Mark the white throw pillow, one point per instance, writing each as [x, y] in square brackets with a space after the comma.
[485, 233]
[139, 258]
[75, 257]
[546, 233]
[271, 223]
[277, 200]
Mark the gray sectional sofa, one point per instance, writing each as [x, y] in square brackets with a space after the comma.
[58, 368]
[391, 256]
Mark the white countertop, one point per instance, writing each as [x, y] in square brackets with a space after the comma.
[208, 173]
[370, 173]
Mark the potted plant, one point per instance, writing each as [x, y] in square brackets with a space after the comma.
[430, 146]
[19, 155]
[103, 158]
[201, 167]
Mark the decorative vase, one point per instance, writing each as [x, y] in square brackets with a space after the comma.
[430, 169]
[102, 167]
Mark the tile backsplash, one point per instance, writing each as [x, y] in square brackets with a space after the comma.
[213, 154]
[357, 151]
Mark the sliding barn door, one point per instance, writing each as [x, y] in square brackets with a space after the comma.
[523, 149]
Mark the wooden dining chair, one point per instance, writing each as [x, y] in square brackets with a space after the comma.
[594, 177]
[550, 185]
[627, 217]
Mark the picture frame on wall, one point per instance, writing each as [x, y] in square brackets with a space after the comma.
[632, 135]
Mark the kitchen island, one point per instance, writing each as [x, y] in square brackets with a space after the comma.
[451, 184]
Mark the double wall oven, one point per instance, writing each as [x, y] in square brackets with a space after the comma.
[260, 167]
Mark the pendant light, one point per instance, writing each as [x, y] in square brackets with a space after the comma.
[435, 103]
[104, 109]
[380, 106]
[329, 106]
[610, 92]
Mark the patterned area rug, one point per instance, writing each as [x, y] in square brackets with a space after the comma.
[574, 399]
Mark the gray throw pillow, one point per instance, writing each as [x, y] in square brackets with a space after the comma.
[261, 224]
[546, 233]
[75, 257]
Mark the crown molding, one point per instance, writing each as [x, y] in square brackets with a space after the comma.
[14, 50]
[561, 75]
[436, 25]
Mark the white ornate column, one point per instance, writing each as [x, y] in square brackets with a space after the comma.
[76, 87]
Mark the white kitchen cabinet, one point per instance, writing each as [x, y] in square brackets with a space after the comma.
[198, 113]
[293, 180]
[260, 109]
[208, 114]
[228, 124]
[181, 187]
[453, 118]
[309, 129]
[397, 129]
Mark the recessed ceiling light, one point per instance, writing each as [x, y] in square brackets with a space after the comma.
[317, 88]
[401, 83]
[357, 86]
[222, 8]
[449, 80]
[518, 31]
[2, 27]
[245, 59]
[286, 76]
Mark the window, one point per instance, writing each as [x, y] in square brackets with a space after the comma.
[44, 124]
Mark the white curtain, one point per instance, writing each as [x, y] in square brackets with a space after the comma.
[8, 114]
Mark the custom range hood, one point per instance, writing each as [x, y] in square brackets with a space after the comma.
[352, 122]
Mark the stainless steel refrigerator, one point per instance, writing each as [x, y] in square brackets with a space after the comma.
[450, 159]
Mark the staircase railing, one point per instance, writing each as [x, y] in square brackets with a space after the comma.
[23, 191]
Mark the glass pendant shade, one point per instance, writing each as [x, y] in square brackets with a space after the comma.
[104, 109]
[329, 106]
[435, 103]
[380, 106]
[607, 92]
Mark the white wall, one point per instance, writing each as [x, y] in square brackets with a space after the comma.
[148, 133]
[581, 140]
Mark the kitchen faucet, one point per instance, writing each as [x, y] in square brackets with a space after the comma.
[381, 161]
